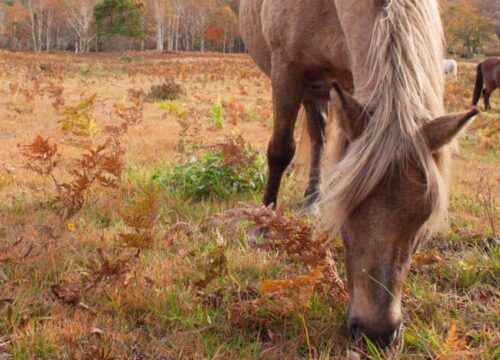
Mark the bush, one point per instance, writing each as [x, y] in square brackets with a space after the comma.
[166, 91]
[216, 174]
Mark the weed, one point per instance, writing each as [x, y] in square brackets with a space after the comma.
[166, 91]
[485, 196]
[41, 156]
[217, 114]
[78, 120]
[189, 137]
[224, 173]
[102, 165]
[173, 108]
[140, 218]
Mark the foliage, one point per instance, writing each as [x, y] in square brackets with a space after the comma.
[119, 18]
[217, 113]
[173, 108]
[77, 289]
[140, 219]
[78, 120]
[465, 26]
[102, 165]
[232, 169]
[166, 91]
[74, 288]
[42, 156]
[295, 238]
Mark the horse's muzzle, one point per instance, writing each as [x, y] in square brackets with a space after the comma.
[383, 336]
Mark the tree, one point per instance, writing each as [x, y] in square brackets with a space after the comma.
[119, 18]
[465, 26]
[80, 17]
[203, 12]
[159, 9]
[36, 11]
[230, 24]
[3, 20]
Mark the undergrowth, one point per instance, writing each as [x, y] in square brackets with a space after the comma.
[230, 169]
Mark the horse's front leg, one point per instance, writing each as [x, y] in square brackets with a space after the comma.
[287, 87]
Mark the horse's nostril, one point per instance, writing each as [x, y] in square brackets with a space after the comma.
[355, 330]
[393, 337]
[390, 338]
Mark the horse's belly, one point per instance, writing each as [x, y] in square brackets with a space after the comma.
[253, 37]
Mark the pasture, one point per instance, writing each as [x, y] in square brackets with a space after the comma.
[127, 229]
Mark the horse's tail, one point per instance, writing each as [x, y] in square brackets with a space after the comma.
[304, 155]
[304, 148]
[479, 85]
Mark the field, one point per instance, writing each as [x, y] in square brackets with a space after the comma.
[127, 224]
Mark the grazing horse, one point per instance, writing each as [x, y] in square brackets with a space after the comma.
[377, 65]
[450, 69]
[488, 72]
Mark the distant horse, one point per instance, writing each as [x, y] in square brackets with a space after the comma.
[377, 65]
[450, 69]
[488, 72]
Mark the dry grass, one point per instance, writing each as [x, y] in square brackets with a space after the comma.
[139, 272]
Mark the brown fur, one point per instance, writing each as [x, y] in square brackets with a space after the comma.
[488, 72]
[385, 172]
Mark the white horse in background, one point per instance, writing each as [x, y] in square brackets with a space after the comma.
[450, 69]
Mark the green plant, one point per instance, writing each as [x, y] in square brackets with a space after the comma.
[119, 18]
[228, 171]
[173, 108]
[217, 113]
[78, 120]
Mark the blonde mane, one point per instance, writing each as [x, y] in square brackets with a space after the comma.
[405, 90]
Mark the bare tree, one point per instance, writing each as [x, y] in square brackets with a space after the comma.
[36, 16]
[203, 13]
[160, 12]
[3, 19]
[81, 19]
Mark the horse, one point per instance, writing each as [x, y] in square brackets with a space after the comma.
[488, 72]
[379, 170]
[450, 69]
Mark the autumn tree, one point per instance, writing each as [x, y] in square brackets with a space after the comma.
[205, 10]
[464, 26]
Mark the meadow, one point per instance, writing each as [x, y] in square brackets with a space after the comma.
[129, 213]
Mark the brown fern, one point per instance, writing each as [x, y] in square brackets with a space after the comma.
[41, 156]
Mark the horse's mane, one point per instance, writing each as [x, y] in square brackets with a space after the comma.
[405, 91]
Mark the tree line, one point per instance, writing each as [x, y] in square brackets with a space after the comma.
[96, 25]
[187, 25]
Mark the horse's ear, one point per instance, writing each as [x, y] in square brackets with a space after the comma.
[442, 130]
[350, 114]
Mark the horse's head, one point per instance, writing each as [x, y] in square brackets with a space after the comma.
[380, 233]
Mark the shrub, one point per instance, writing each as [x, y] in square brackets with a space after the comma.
[221, 173]
[166, 91]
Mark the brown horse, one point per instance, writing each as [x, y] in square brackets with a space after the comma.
[384, 182]
[488, 72]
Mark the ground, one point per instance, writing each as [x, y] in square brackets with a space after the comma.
[133, 267]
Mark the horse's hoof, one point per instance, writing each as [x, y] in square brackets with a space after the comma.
[308, 205]
[256, 235]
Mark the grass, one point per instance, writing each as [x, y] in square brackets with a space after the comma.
[143, 298]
